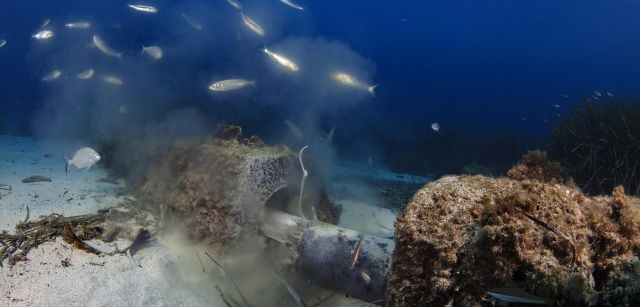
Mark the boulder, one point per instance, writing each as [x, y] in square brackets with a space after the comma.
[463, 235]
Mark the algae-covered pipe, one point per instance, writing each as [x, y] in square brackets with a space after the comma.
[326, 254]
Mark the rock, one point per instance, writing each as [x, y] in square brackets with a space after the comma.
[462, 235]
[36, 178]
[536, 166]
[218, 187]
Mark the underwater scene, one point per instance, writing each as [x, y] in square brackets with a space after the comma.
[273, 153]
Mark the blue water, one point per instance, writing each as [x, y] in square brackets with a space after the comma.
[472, 66]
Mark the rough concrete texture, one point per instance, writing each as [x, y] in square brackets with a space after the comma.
[463, 235]
[219, 187]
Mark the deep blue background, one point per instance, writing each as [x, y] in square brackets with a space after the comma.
[474, 65]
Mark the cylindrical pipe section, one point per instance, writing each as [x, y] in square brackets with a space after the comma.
[327, 255]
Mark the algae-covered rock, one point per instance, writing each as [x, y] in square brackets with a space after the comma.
[219, 187]
[463, 235]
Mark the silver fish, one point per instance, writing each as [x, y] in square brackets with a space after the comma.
[45, 23]
[251, 24]
[435, 127]
[102, 46]
[192, 22]
[293, 129]
[84, 158]
[43, 35]
[235, 4]
[282, 60]
[113, 80]
[556, 105]
[52, 75]
[2, 42]
[349, 80]
[87, 74]
[78, 25]
[365, 277]
[291, 4]
[513, 295]
[153, 51]
[230, 84]
[143, 8]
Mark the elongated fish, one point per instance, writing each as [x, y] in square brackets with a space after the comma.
[113, 80]
[43, 35]
[355, 254]
[235, 4]
[102, 46]
[45, 23]
[294, 294]
[349, 80]
[293, 129]
[153, 52]
[143, 8]
[85, 75]
[251, 24]
[2, 42]
[513, 295]
[78, 25]
[84, 158]
[291, 4]
[230, 84]
[52, 75]
[192, 22]
[282, 60]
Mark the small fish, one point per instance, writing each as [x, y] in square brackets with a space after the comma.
[84, 158]
[2, 42]
[235, 4]
[370, 160]
[43, 35]
[609, 94]
[104, 48]
[113, 80]
[349, 80]
[565, 95]
[365, 277]
[85, 75]
[78, 25]
[512, 295]
[192, 22]
[143, 8]
[123, 109]
[329, 139]
[597, 93]
[556, 105]
[282, 60]
[230, 84]
[52, 75]
[435, 127]
[354, 255]
[45, 23]
[293, 129]
[291, 4]
[153, 51]
[251, 24]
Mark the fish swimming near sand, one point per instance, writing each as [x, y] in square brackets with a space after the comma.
[230, 84]
[293, 5]
[513, 295]
[153, 52]
[349, 80]
[52, 75]
[294, 294]
[252, 25]
[43, 35]
[113, 80]
[192, 22]
[235, 4]
[282, 60]
[85, 75]
[79, 25]
[104, 48]
[84, 158]
[143, 8]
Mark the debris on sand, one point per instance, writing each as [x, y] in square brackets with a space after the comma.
[36, 178]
